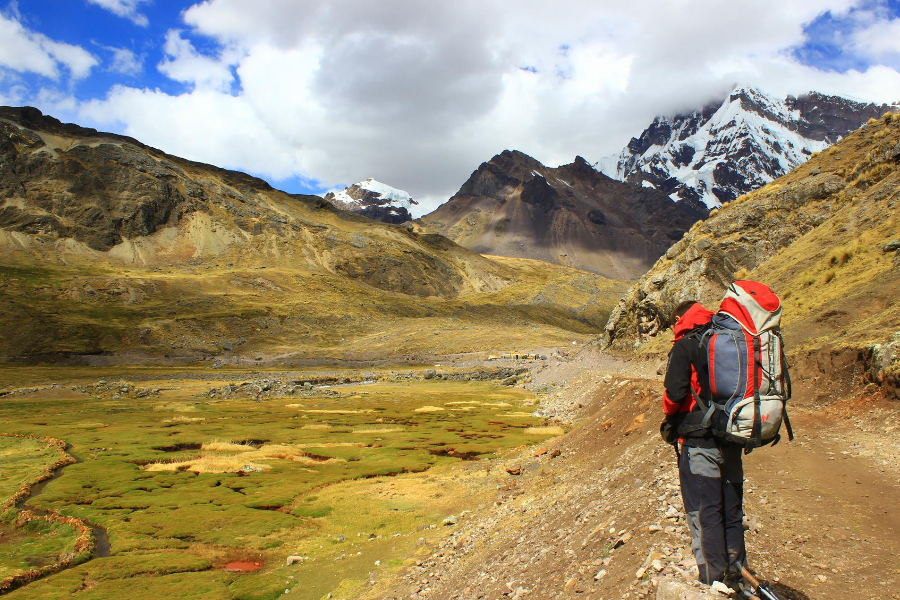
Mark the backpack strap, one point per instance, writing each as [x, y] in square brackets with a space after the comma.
[787, 389]
[756, 432]
[784, 370]
[708, 411]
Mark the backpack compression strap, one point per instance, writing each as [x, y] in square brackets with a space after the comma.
[708, 410]
[756, 432]
[787, 391]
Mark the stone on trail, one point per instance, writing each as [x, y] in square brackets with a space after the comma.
[718, 586]
[669, 589]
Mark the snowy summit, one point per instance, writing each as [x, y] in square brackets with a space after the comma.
[722, 151]
[374, 200]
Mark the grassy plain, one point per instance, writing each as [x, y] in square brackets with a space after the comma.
[37, 543]
[349, 477]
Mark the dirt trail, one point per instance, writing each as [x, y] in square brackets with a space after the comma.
[828, 519]
[603, 519]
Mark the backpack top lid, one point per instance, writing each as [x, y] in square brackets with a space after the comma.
[752, 304]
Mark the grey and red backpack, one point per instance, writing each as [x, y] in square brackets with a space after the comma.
[749, 382]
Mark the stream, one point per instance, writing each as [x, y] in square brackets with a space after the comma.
[101, 537]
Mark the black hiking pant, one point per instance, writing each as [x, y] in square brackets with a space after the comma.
[712, 487]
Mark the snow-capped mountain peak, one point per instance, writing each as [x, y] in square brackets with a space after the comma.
[375, 200]
[727, 149]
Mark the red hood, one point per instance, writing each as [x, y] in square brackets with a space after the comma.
[695, 316]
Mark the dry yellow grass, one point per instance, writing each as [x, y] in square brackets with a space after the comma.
[218, 446]
[544, 430]
[229, 457]
[382, 430]
[209, 464]
[183, 419]
[428, 409]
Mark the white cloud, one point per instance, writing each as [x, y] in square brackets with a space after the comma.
[204, 125]
[417, 94]
[26, 51]
[125, 61]
[127, 9]
[880, 39]
[183, 63]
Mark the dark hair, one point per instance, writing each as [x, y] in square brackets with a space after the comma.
[681, 309]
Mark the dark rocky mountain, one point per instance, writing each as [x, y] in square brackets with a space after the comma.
[574, 215]
[374, 200]
[727, 149]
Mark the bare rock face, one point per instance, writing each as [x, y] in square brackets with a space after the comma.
[574, 215]
[705, 261]
[100, 188]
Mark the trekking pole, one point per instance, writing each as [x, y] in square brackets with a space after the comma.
[761, 588]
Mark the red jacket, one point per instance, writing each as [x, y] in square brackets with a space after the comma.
[681, 371]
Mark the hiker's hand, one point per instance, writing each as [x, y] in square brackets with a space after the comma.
[668, 432]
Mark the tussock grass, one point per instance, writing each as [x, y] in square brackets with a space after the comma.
[218, 446]
[378, 430]
[183, 419]
[545, 431]
[209, 464]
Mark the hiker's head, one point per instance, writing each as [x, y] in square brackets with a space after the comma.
[680, 310]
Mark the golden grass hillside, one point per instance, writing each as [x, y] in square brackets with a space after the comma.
[112, 249]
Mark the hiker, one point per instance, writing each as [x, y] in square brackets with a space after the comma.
[710, 469]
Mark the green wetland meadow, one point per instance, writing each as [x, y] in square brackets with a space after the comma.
[193, 494]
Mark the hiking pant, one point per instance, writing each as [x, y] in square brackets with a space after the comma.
[712, 487]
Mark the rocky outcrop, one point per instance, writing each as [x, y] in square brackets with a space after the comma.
[820, 236]
[705, 261]
[574, 215]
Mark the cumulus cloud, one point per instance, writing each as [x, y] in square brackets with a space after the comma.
[126, 62]
[183, 63]
[27, 51]
[417, 94]
[127, 9]
[880, 39]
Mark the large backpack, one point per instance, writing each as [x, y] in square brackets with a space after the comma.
[748, 373]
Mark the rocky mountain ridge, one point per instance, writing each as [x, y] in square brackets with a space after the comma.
[717, 153]
[374, 200]
[825, 237]
[573, 215]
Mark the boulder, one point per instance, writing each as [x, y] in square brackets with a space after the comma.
[670, 589]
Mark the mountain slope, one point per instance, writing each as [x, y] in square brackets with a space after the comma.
[374, 200]
[725, 150]
[109, 247]
[825, 236]
[514, 206]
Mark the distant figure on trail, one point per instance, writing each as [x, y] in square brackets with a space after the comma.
[257, 396]
[711, 470]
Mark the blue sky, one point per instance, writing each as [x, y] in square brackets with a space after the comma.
[313, 95]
